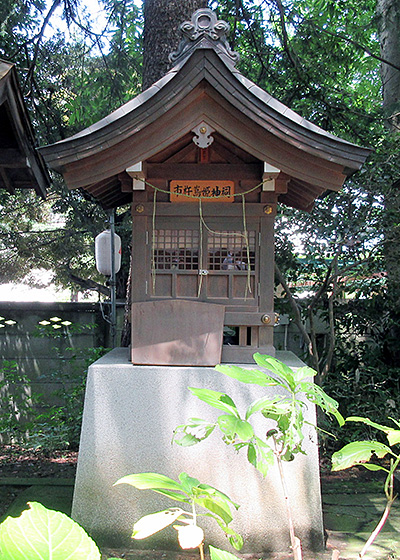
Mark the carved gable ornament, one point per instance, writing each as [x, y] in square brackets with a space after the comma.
[204, 26]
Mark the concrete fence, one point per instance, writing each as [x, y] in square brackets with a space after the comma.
[42, 337]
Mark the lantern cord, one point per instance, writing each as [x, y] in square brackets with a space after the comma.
[153, 245]
[200, 250]
[244, 235]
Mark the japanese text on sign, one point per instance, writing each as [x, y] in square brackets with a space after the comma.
[214, 191]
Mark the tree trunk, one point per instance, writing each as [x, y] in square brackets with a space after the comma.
[161, 35]
[388, 14]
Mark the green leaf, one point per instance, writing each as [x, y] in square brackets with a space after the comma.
[303, 373]
[211, 491]
[392, 435]
[150, 524]
[217, 554]
[358, 452]
[40, 533]
[316, 395]
[150, 481]
[277, 367]
[372, 467]
[219, 508]
[188, 482]
[178, 497]
[192, 432]
[252, 376]
[262, 403]
[218, 400]
[231, 426]
[234, 538]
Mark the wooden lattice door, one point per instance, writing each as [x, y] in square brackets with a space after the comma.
[205, 262]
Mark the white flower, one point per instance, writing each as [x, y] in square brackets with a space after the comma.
[190, 536]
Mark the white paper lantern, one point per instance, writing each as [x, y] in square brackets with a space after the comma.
[103, 252]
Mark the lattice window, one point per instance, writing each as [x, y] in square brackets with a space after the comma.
[228, 251]
[176, 249]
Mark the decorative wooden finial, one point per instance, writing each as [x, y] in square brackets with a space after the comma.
[204, 31]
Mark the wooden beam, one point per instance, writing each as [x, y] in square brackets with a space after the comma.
[11, 158]
[7, 183]
[206, 171]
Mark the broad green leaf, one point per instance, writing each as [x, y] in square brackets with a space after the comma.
[303, 373]
[211, 491]
[392, 435]
[234, 538]
[41, 533]
[150, 524]
[369, 423]
[316, 395]
[150, 481]
[216, 399]
[358, 452]
[218, 507]
[252, 376]
[177, 496]
[263, 403]
[192, 432]
[188, 482]
[185, 440]
[277, 367]
[252, 455]
[372, 467]
[217, 554]
[230, 425]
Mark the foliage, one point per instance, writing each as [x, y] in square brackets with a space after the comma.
[40, 534]
[17, 403]
[25, 416]
[361, 453]
[59, 426]
[188, 491]
[283, 409]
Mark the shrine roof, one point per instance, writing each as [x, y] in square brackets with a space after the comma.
[21, 165]
[204, 84]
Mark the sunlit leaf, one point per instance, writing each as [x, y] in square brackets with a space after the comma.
[150, 524]
[232, 426]
[393, 435]
[218, 400]
[277, 367]
[150, 481]
[251, 376]
[40, 534]
[217, 554]
[358, 452]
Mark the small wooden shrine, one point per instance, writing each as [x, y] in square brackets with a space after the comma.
[204, 156]
[21, 166]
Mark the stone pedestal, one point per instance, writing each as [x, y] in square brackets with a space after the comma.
[129, 417]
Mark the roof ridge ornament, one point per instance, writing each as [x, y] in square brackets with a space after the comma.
[204, 31]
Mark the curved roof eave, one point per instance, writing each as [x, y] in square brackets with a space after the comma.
[11, 96]
[205, 63]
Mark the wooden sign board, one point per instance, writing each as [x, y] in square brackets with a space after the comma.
[177, 333]
[211, 191]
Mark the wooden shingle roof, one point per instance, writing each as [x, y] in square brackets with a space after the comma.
[204, 85]
[21, 165]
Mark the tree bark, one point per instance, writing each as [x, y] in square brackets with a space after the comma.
[161, 34]
[388, 14]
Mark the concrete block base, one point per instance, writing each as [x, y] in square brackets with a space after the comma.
[129, 417]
